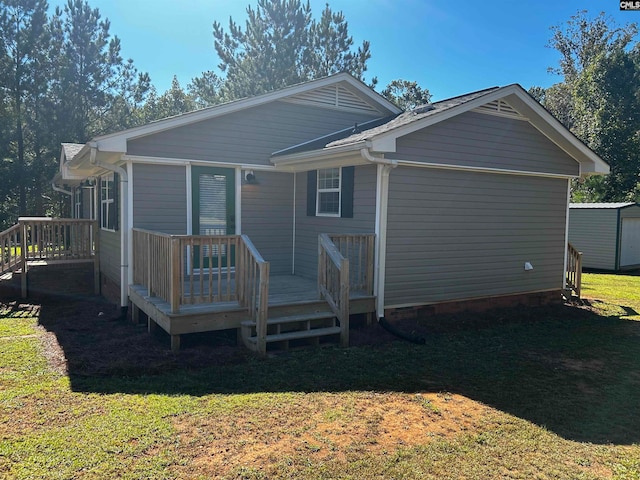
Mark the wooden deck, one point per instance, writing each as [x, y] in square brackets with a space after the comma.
[288, 295]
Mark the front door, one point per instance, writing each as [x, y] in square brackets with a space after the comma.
[213, 211]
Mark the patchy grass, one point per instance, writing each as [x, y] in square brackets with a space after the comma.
[550, 392]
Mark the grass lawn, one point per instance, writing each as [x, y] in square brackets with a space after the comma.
[549, 392]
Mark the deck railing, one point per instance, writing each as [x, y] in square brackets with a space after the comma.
[49, 240]
[333, 282]
[192, 269]
[11, 249]
[358, 249]
[574, 269]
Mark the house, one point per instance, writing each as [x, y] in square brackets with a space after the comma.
[607, 234]
[221, 217]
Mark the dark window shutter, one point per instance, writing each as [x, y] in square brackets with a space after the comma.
[116, 191]
[312, 189]
[346, 197]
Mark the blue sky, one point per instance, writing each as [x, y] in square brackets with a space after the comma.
[448, 46]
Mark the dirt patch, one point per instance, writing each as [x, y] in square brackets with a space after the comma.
[322, 428]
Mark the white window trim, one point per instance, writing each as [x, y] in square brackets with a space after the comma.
[329, 190]
[108, 201]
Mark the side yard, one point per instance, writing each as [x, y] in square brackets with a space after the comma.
[550, 392]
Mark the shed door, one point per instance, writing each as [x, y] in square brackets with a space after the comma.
[630, 242]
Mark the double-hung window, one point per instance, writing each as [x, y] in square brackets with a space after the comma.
[108, 205]
[329, 190]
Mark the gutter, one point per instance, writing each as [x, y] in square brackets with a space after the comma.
[124, 244]
[56, 188]
[382, 203]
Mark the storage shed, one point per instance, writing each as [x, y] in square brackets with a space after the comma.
[607, 234]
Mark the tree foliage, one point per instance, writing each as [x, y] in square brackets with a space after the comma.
[599, 100]
[281, 45]
[62, 78]
[406, 94]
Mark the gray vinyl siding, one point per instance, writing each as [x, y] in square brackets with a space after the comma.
[632, 211]
[110, 255]
[594, 232]
[480, 140]
[267, 218]
[458, 235]
[160, 198]
[249, 136]
[308, 228]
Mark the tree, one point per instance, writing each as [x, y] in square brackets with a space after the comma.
[405, 94]
[205, 89]
[93, 78]
[599, 100]
[23, 40]
[281, 45]
[61, 79]
[172, 102]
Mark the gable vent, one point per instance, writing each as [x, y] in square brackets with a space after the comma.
[499, 107]
[334, 96]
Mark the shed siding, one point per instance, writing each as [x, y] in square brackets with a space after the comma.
[270, 128]
[480, 140]
[461, 235]
[632, 211]
[594, 233]
[308, 228]
[110, 255]
[160, 198]
[267, 218]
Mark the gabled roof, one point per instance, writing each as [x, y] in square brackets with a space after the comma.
[117, 142]
[382, 138]
[70, 150]
[368, 131]
[611, 206]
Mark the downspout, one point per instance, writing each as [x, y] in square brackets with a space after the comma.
[124, 267]
[382, 202]
[60, 189]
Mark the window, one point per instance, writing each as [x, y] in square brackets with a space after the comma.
[328, 202]
[77, 204]
[108, 205]
[330, 192]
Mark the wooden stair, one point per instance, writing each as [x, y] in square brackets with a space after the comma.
[290, 330]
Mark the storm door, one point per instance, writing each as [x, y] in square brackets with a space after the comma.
[213, 213]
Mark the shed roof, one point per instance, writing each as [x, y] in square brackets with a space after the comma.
[602, 205]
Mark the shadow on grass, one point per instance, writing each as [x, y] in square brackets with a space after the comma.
[565, 368]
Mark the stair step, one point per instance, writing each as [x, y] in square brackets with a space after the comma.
[292, 319]
[317, 332]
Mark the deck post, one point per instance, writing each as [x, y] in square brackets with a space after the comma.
[175, 275]
[23, 259]
[579, 274]
[135, 314]
[263, 305]
[96, 257]
[344, 302]
[175, 343]
[151, 324]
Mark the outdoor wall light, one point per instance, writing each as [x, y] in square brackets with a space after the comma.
[527, 266]
[250, 178]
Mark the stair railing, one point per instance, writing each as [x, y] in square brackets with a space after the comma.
[574, 269]
[10, 249]
[333, 282]
[252, 277]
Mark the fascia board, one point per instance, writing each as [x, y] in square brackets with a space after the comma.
[315, 155]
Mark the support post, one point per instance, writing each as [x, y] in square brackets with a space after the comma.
[23, 259]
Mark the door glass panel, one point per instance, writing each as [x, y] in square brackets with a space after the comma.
[213, 208]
